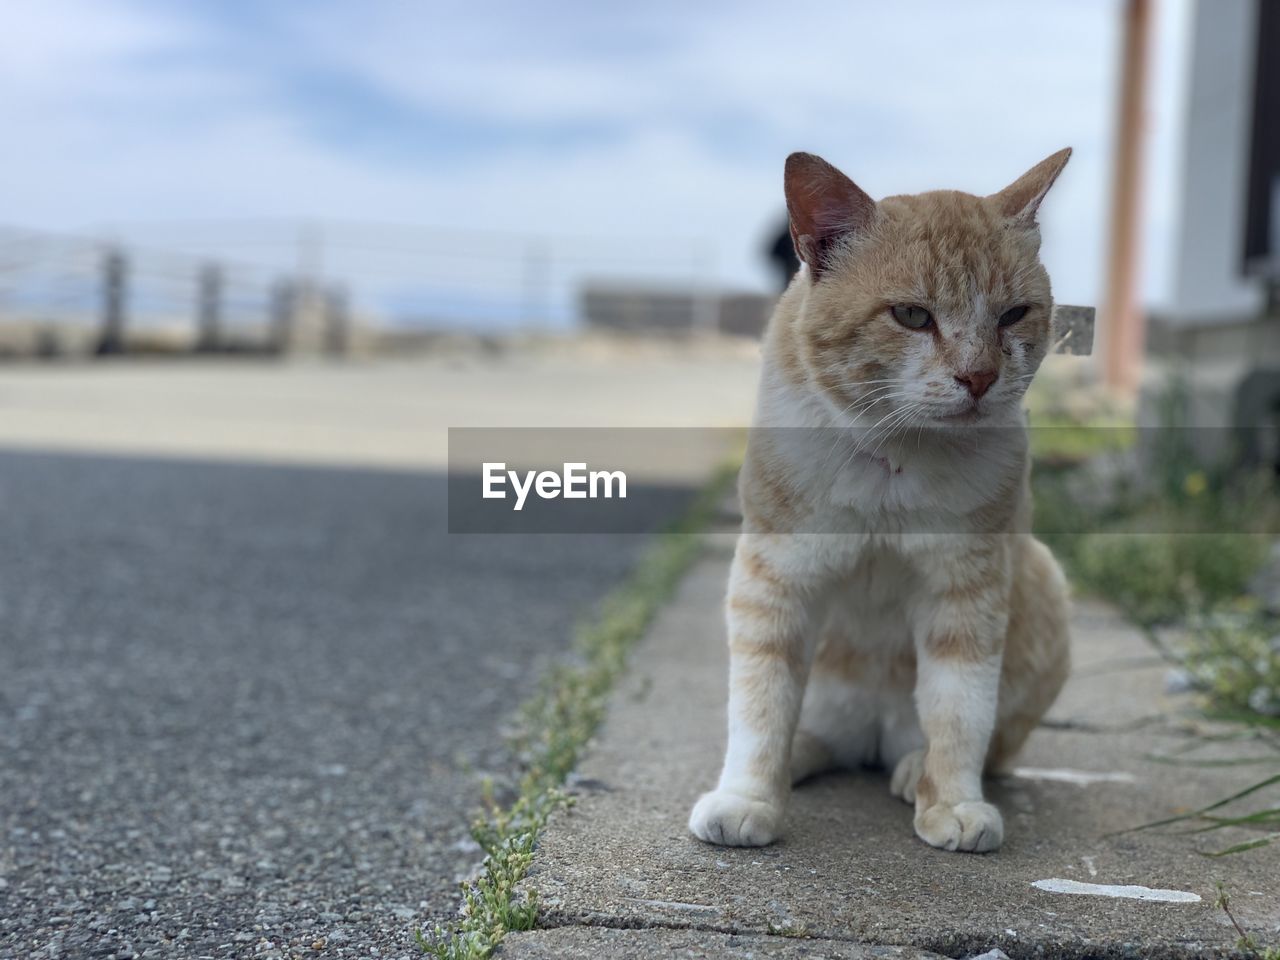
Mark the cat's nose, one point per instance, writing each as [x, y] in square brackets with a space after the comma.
[977, 382]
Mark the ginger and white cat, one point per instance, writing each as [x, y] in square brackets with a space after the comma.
[887, 603]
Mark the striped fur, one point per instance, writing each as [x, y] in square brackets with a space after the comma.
[887, 603]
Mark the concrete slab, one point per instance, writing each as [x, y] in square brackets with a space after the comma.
[850, 868]
[591, 943]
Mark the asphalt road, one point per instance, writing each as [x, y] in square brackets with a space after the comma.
[245, 710]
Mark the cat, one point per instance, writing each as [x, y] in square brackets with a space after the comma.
[887, 604]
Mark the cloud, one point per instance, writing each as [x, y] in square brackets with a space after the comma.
[666, 120]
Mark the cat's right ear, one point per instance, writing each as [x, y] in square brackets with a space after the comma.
[823, 205]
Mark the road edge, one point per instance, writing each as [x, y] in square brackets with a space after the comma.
[557, 724]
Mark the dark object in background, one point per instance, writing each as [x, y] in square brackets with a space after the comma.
[633, 308]
[115, 272]
[783, 255]
[1262, 207]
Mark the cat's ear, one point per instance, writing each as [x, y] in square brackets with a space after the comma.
[823, 205]
[1021, 199]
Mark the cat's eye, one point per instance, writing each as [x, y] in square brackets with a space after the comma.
[1013, 315]
[911, 316]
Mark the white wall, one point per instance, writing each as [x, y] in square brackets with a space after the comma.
[1207, 281]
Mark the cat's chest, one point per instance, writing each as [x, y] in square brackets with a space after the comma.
[911, 491]
[878, 493]
[868, 482]
[879, 593]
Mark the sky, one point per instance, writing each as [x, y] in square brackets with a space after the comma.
[633, 128]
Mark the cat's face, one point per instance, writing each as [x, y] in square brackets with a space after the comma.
[927, 309]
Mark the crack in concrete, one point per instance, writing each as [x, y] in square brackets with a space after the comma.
[956, 946]
[1084, 726]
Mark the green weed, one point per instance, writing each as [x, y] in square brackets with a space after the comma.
[555, 726]
[787, 929]
[1245, 942]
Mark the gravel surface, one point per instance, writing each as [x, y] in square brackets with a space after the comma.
[245, 710]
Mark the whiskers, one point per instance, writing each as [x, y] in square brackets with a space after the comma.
[883, 391]
[894, 423]
[1020, 384]
[887, 411]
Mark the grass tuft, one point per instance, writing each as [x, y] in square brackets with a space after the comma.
[1245, 942]
[1152, 529]
[1235, 660]
[555, 726]
[788, 929]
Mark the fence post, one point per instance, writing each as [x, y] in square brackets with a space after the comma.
[209, 308]
[706, 297]
[537, 282]
[115, 270]
[337, 317]
[284, 302]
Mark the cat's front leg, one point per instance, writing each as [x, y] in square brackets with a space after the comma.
[959, 642]
[770, 617]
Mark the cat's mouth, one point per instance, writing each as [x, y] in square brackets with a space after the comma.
[970, 412]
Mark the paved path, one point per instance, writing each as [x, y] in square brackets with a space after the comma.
[850, 872]
[246, 707]
[385, 414]
[245, 710]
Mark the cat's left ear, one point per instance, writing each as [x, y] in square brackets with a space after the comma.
[1021, 199]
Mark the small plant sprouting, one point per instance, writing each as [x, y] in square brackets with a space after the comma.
[1245, 943]
[554, 728]
[788, 929]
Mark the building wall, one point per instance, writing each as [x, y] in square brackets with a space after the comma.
[646, 310]
[1208, 283]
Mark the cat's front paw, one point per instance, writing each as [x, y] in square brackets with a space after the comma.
[906, 775]
[973, 826]
[732, 820]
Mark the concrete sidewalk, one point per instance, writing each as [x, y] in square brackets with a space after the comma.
[618, 874]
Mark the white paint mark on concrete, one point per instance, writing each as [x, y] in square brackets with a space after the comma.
[1057, 885]
[1081, 778]
[1088, 862]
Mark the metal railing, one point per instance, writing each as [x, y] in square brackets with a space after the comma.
[277, 285]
